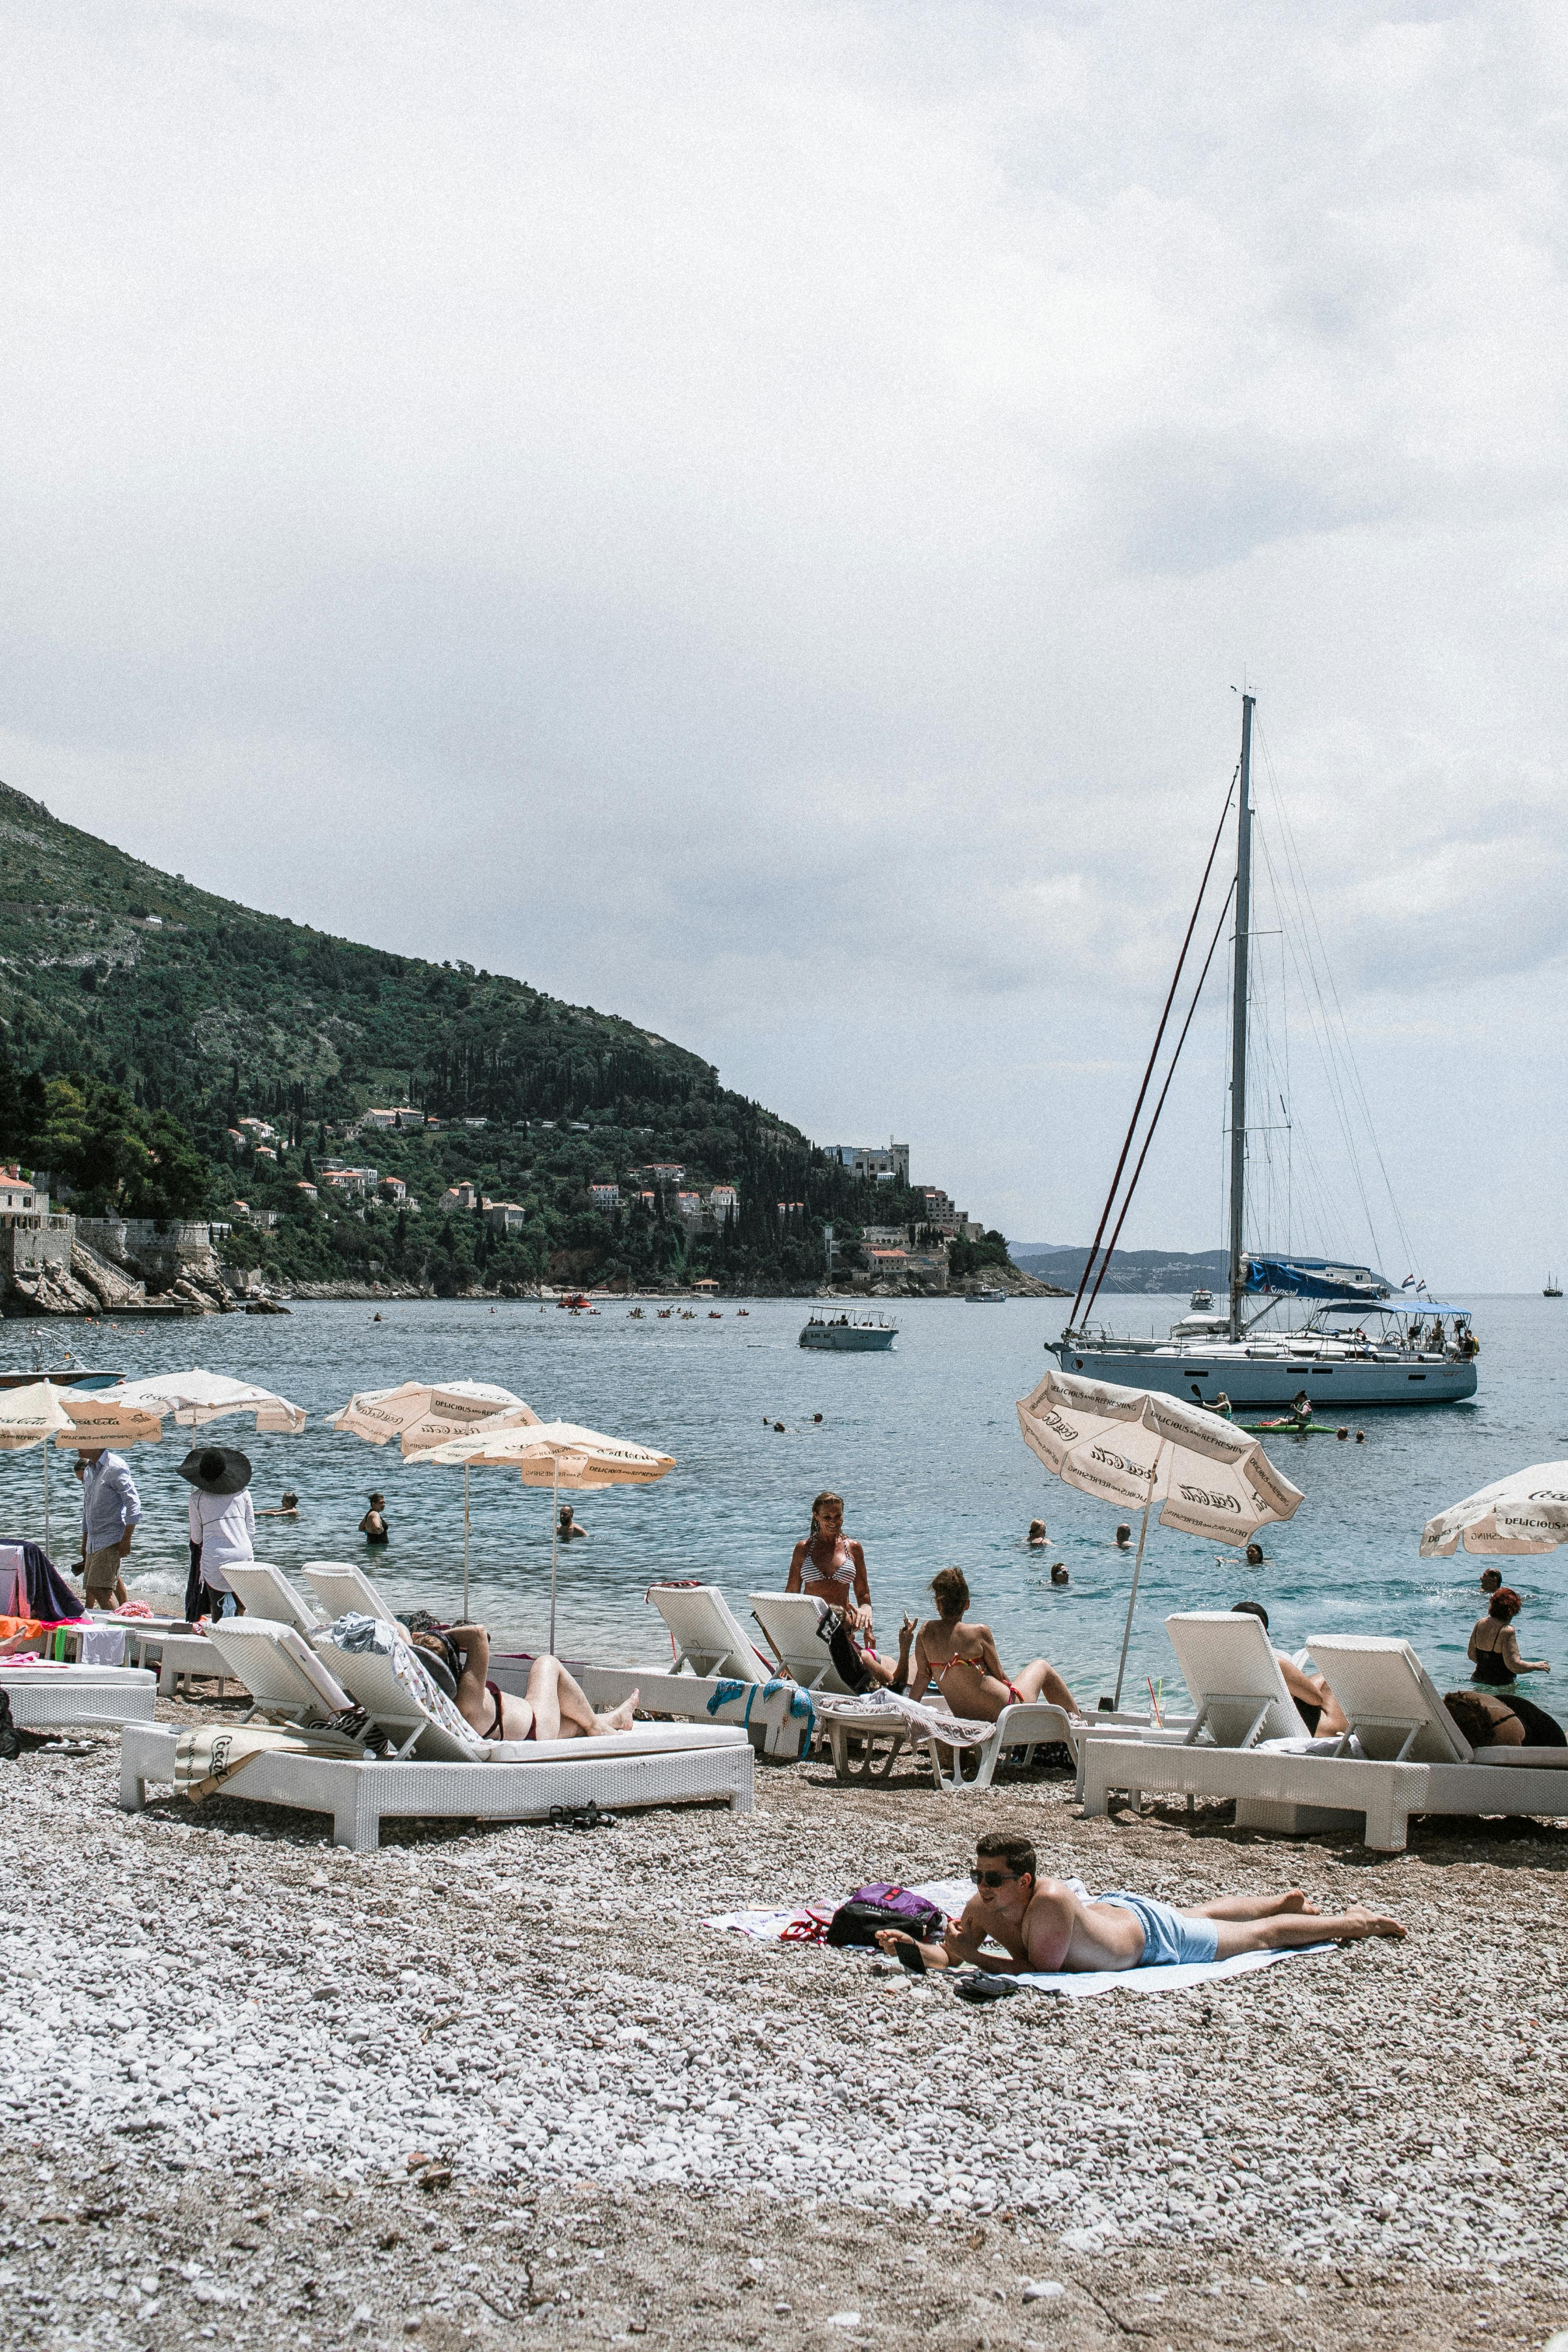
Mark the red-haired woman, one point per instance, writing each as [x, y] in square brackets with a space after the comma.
[1494, 1645]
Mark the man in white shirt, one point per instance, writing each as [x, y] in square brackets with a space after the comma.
[222, 1518]
[111, 1508]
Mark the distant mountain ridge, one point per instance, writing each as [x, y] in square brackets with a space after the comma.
[1132, 1272]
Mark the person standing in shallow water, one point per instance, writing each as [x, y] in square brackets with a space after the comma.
[831, 1566]
[373, 1527]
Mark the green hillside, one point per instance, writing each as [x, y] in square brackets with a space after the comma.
[191, 1005]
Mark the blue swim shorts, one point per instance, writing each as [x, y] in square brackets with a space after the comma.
[1169, 1936]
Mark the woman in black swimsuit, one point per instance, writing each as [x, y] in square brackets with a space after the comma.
[1494, 1645]
[1487, 1721]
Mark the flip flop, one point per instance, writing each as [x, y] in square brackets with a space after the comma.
[591, 1817]
[977, 1985]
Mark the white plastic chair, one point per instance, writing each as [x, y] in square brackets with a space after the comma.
[1228, 1664]
[709, 1639]
[268, 1594]
[789, 1621]
[340, 1587]
[287, 1680]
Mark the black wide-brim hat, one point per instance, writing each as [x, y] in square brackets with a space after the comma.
[216, 1469]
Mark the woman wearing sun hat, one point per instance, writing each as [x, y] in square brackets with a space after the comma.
[222, 1525]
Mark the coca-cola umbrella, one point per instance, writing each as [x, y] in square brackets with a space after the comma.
[1137, 1447]
[1519, 1515]
[28, 1416]
[557, 1455]
[425, 1414]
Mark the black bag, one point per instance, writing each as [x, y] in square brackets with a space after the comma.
[857, 1922]
[10, 1738]
[852, 1669]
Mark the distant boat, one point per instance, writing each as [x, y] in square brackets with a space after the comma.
[1553, 1287]
[62, 1376]
[848, 1334]
[989, 1297]
[1201, 1301]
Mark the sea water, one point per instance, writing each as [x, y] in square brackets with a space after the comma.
[922, 1443]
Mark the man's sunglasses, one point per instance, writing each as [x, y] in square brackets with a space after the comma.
[992, 1877]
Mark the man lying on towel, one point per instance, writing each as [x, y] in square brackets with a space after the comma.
[1042, 1925]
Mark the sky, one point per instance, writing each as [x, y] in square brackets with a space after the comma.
[756, 519]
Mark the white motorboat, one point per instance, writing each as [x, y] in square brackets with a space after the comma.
[1363, 1342]
[843, 1335]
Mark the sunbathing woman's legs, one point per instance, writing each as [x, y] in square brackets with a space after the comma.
[1041, 1680]
[555, 1708]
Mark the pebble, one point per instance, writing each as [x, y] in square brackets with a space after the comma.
[525, 2011]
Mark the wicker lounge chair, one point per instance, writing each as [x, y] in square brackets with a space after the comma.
[267, 1592]
[47, 1696]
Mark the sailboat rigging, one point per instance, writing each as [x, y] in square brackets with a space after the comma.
[1364, 1342]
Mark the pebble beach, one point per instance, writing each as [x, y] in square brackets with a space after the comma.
[269, 2091]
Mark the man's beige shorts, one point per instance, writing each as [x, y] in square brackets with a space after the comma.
[101, 1572]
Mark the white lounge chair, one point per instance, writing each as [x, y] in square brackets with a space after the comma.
[288, 1682]
[444, 1768]
[709, 1640]
[789, 1621]
[1299, 1786]
[267, 1592]
[340, 1587]
[1228, 1664]
[776, 1718]
[879, 1736]
[47, 1695]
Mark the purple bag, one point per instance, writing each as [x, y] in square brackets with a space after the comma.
[872, 1907]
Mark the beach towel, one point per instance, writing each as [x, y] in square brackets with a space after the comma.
[211, 1754]
[883, 1710]
[799, 1924]
[49, 1594]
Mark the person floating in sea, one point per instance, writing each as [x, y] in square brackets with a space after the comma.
[1493, 1648]
[1059, 1573]
[288, 1508]
[961, 1658]
[1124, 1536]
[373, 1527]
[1040, 1924]
[570, 1531]
[1036, 1535]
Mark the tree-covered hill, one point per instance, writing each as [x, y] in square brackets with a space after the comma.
[137, 985]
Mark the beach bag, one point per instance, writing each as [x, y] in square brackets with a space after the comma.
[851, 1667]
[871, 1908]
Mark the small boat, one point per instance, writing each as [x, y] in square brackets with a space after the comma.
[575, 1301]
[848, 1334]
[715, 1315]
[1553, 1287]
[1201, 1301]
[988, 1298]
[62, 1376]
[633, 1314]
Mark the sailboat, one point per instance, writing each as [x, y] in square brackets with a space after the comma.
[1553, 1287]
[1364, 1342]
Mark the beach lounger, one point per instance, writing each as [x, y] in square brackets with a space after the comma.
[287, 1681]
[789, 1621]
[340, 1587]
[1230, 1665]
[444, 1769]
[266, 1591]
[864, 1725]
[707, 1638]
[47, 1696]
[777, 1718]
[1413, 1759]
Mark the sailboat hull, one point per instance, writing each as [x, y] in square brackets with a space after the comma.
[1249, 1377]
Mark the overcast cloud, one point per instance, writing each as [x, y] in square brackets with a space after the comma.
[749, 517]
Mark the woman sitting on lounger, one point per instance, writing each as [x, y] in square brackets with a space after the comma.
[1316, 1705]
[961, 1660]
[555, 1707]
[1487, 1721]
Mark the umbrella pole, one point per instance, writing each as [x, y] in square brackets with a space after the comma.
[464, 1543]
[1137, 1571]
[555, 1546]
[47, 1498]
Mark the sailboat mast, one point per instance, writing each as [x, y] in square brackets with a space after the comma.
[1238, 1019]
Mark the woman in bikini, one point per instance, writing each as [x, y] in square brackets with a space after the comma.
[961, 1660]
[554, 1708]
[830, 1566]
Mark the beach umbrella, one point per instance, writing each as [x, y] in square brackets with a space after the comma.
[1138, 1447]
[28, 1416]
[1526, 1513]
[554, 1454]
[191, 1399]
[423, 1414]
[97, 1417]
